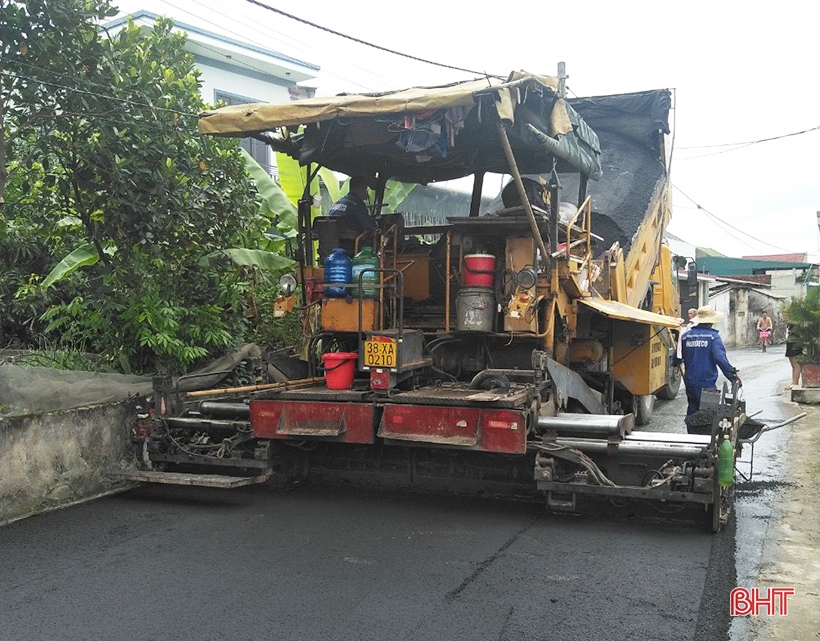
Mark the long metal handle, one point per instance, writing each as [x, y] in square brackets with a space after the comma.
[769, 428]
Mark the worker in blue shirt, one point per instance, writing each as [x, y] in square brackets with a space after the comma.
[703, 353]
[353, 208]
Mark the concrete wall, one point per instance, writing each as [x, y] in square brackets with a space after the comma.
[742, 307]
[55, 459]
[785, 283]
[721, 302]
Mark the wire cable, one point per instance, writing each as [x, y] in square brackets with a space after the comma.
[741, 145]
[267, 34]
[85, 92]
[368, 44]
[717, 218]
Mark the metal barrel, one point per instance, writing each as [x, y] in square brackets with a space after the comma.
[632, 448]
[225, 410]
[587, 425]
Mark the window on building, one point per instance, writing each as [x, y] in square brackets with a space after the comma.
[256, 148]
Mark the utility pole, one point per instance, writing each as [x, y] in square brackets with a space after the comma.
[562, 91]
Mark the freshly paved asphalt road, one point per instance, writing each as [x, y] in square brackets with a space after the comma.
[329, 564]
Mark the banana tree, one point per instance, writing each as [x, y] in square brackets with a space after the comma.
[279, 214]
[84, 256]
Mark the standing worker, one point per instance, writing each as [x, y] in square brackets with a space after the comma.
[764, 331]
[703, 353]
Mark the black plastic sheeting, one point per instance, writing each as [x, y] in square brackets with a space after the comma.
[630, 129]
[368, 146]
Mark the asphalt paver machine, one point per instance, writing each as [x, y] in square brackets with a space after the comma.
[508, 350]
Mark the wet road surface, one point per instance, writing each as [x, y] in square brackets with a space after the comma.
[346, 563]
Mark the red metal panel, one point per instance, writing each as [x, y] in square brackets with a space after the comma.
[337, 422]
[502, 431]
[431, 424]
[379, 378]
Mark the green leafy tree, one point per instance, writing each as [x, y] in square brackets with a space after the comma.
[153, 199]
[24, 250]
[47, 49]
[137, 208]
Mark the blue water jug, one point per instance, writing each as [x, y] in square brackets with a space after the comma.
[338, 271]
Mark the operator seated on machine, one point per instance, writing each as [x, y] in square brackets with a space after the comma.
[352, 207]
[354, 211]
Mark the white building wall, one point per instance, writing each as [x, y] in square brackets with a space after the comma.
[722, 303]
[248, 87]
[784, 283]
[237, 69]
[218, 79]
[703, 290]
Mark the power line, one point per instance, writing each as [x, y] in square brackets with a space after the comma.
[339, 64]
[88, 82]
[228, 58]
[722, 226]
[735, 146]
[115, 116]
[753, 142]
[98, 95]
[717, 219]
[272, 33]
[363, 42]
[221, 28]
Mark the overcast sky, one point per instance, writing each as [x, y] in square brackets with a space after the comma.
[740, 72]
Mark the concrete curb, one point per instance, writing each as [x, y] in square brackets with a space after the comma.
[54, 459]
[806, 395]
[791, 552]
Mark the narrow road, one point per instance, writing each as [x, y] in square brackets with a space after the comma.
[337, 563]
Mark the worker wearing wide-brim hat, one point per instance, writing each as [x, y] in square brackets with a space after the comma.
[703, 353]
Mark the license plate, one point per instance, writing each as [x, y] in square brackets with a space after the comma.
[380, 354]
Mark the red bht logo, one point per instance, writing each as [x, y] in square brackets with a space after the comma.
[743, 601]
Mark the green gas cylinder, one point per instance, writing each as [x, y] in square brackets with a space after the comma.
[366, 259]
[726, 463]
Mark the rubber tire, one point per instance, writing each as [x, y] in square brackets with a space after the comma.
[669, 391]
[644, 408]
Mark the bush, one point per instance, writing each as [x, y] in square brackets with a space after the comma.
[802, 313]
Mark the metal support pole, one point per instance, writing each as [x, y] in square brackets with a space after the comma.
[475, 200]
[447, 288]
[505, 143]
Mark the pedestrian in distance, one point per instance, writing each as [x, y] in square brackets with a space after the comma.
[703, 354]
[764, 331]
[793, 350]
[685, 327]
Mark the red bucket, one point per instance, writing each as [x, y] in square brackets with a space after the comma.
[340, 368]
[479, 270]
